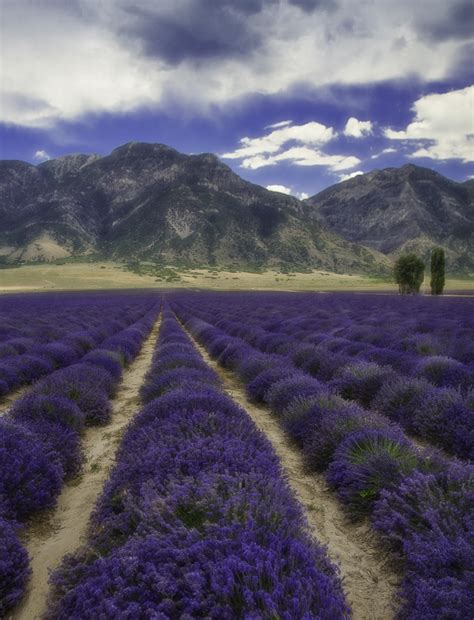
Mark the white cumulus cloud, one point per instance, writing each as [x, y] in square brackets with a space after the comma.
[300, 145]
[41, 155]
[443, 127]
[279, 188]
[351, 175]
[312, 133]
[386, 151]
[283, 189]
[302, 195]
[357, 129]
[279, 124]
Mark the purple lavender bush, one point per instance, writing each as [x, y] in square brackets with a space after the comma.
[37, 407]
[14, 568]
[285, 391]
[107, 360]
[399, 399]
[196, 521]
[259, 386]
[445, 372]
[428, 520]
[84, 385]
[444, 418]
[367, 462]
[332, 420]
[179, 378]
[30, 474]
[360, 381]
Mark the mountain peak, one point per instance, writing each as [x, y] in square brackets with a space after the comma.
[148, 201]
[65, 164]
[410, 208]
[134, 149]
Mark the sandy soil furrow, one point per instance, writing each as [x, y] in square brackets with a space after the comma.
[62, 531]
[370, 581]
[8, 401]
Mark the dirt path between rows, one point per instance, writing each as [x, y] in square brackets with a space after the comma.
[7, 401]
[65, 529]
[369, 580]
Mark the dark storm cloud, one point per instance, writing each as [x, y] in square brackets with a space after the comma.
[195, 30]
[312, 5]
[463, 65]
[455, 23]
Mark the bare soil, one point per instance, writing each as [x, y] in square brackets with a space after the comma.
[63, 530]
[369, 577]
[7, 401]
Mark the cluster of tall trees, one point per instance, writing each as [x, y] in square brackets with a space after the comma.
[409, 273]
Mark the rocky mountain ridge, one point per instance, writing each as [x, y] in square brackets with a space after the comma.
[150, 202]
[397, 210]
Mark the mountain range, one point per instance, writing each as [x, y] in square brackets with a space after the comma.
[398, 210]
[150, 202]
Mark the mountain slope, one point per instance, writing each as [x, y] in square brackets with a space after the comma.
[148, 201]
[402, 209]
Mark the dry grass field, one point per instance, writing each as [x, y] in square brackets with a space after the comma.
[108, 275]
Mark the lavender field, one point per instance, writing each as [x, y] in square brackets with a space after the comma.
[236, 455]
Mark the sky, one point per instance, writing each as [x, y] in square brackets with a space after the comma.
[294, 95]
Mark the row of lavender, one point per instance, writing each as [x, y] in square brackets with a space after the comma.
[419, 501]
[419, 354]
[437, 405]
[39, 334]
[196, 520]
[40, 441]
[417, 325]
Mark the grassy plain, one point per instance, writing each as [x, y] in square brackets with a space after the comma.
[108, 275]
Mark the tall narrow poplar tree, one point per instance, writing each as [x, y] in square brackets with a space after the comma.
[438, 264]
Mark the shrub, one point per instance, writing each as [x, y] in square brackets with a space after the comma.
[218, 345]
[360, 381]
[367, 462]
[422, 344]
[261, 384]
[428, 522]
[107, 360]
[195, 522]
[14, 568]
[21, 345]
[59, 353]
[445, 372]
[4, 389]
[83, 385]
[230, 578]
[399, 360]
[30, 476]
[333, 420]
[302, 416]
[399, 399]
[179, 360]
[156, 386]
[442, 417]
[248, 369]
[30, 368]
[61, 443]
[36, 407]
[234, 354]
[282, 393]
[323, 364]
[10, 376]
[7, 350]
[81, 342]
